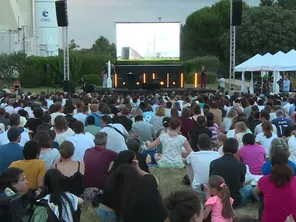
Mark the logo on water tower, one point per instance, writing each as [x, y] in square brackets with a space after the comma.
[45, 15]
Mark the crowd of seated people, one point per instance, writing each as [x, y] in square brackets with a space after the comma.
[98, 150]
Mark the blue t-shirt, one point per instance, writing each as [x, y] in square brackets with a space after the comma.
[97, 117]
[9, 153]
[266, 169]
[281, 125]
[147, 116]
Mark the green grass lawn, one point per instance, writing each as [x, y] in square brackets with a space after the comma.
[170, 180]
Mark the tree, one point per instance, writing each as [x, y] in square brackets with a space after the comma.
[103, 46]
[264, 29]
[73, 46]
[12, 64]
[266, 2]
[287, 4]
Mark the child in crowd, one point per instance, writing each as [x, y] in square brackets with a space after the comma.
[240, 131]
[221, 139]
[220, 204]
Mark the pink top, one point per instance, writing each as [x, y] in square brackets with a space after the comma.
[279, 202]
[217, 209]
[254, 157]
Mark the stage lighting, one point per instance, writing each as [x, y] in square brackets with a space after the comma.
[161, 83]
[123, 83]
[174, 83]
[137, 83]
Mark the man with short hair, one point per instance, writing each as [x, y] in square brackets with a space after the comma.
[123, 118]
[264, 116]
[91, 127]
[14, 120]
[116, 134]
[98, 162]
[199, 162]
[12, 151]
[94, 108]
[281, 122]
[33, 168]
[80, 140]
[59, 111]
[143, 129]
[233, 172]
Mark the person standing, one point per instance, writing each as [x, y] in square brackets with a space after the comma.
[221, 84]
[286, 85]
[203, 74]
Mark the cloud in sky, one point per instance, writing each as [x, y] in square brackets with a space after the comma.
[91, 18]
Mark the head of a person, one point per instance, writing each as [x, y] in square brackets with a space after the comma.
[46, 118]
[67, 150]
[281, 172]
[240, 127]
[53, 180]
[14, 120]
[13, 178]
[120, 183]
[184, 206]
[78, 127]
[230, 146]
[260, 102]
[125, 157]
[139, 118]
[210, 119]
[279, 113]
[264, 115]
[232, 113]
[125, 111]
[196, 109]
[58, 107]
[101, 139]
[169, 105]
[267, 129]
[217, 186]
[160, 111]
[60, 123]
[279, 146]
[175, 124]
[44, 139]
[2, 112]
[94, 108]
[90, 120]
[134, 144]
[174, 112]
[14, 134]
[201, 121]
[31, 150]
[105, 120]
[248, 139]
[106, 110]
[186, 112]
[204, 142]
[165, 122]
[257, 115]
[137, 112]
[38, 112]
[221, 139]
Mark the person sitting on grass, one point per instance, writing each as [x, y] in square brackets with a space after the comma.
[184, 206]
[172, 143]
[220, 204]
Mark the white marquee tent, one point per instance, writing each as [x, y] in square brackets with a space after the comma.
[276, 63]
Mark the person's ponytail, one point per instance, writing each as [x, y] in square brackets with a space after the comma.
[227, 211]
[281, 174]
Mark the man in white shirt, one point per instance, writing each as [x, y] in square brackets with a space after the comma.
[9, 107]
[116, 134]
[80, 115]
[264, 116]
[81, 141]
[14, 120]
[200, 162]
[58, 112]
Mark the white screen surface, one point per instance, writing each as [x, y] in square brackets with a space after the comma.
[148, 41]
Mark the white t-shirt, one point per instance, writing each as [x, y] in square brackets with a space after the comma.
[66, 212]
[200, 162]
[221, 82]
[265, 142]
[272, 116]
[49, 157]
[9, 109]
[115, 141]
[54, 115]
[81, 142]
[60, 138]
[258, 129]
[80, 117]
[24, 138]
[292, 147]
[226, 124]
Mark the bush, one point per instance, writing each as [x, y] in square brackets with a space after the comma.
[93, 79]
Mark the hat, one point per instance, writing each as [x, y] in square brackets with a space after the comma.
[14, 132]
[279, 112]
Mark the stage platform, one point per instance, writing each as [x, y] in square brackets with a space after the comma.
[126, 91]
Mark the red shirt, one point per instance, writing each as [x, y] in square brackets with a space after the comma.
[97, 161]
[279, 202]
[186, 125]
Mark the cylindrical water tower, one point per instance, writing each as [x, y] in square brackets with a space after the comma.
[47, 27]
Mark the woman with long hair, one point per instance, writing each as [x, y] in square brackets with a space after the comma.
[175, 113]
[278, 190]
[157, 119]
[265, 138]
[220, 204]
[227, 121]
[66, 203]
[187, 123]
[14, 179]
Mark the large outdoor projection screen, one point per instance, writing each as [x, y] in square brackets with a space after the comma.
[148, 41]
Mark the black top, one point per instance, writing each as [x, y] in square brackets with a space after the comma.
[203, 73]
[74, 183]
[114, 110]
[123, 120]
[70, 120]
[233, 172]
[195, 132]
[142, 162]
[32, 124]
[145, 198]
